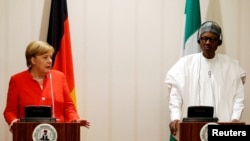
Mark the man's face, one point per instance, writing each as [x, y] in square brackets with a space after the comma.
[209, 44]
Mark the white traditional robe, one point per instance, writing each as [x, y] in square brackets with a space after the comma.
[197, 81]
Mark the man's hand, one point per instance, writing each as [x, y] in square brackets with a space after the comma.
[173, 126]
[235, 121]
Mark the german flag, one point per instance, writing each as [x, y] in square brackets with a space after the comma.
[59, 37]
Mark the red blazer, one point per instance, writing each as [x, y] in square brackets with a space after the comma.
[24, 90]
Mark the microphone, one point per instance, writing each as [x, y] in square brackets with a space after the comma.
[209, 74]
[52, 95]
[213, 94]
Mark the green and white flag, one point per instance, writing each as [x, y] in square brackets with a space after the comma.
[193, 22]
[192, 25]
[172, 138]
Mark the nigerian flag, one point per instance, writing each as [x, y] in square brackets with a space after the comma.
[172, 138]
[193, 22]
[192, 25]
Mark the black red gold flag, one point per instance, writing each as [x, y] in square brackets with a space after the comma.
[59, 37]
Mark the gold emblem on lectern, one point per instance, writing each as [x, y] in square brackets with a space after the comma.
[44, 132]
[204, 131]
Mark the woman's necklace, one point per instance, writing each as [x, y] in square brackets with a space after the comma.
[38, 78]
[40, 81]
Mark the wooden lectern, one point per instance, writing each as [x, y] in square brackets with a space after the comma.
[190, 131]
[23, 131]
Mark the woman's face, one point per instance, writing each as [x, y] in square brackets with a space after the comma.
[209, 44]
[42, 63]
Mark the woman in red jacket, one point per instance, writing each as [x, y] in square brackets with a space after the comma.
[39, 85]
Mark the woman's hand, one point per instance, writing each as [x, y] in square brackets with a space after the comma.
[11, 124]
[82, 122]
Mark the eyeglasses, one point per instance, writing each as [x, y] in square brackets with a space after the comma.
[211, 39]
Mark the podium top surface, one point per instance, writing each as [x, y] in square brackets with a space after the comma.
[200, 119]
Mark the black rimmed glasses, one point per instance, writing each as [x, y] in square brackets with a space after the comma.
[211, 39]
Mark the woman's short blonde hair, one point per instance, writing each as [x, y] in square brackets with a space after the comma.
[35, 48]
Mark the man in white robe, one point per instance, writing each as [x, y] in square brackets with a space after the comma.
[206, 79]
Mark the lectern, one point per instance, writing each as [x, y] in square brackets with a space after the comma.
[35, 131]
[190, 131]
